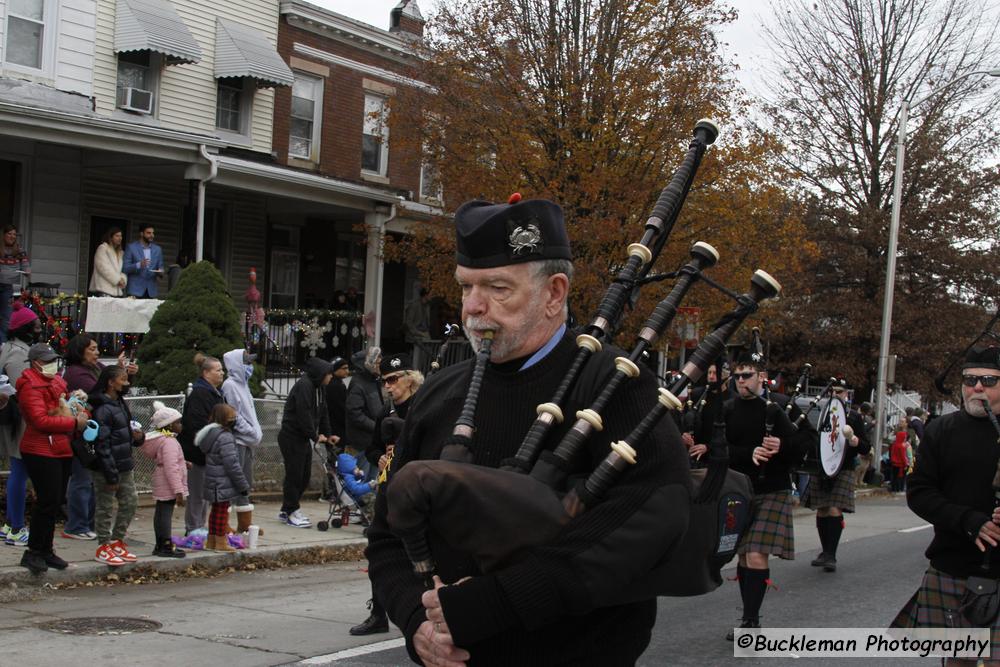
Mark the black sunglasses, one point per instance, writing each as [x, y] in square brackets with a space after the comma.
[986, 380]
[745, 376]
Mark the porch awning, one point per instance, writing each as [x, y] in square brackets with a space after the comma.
[154, 25]
[242, 51]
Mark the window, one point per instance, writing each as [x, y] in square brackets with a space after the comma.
[303, 126]
[140, 72]
[375, 136]
[25, 33]
[430, 181]
[232, 105]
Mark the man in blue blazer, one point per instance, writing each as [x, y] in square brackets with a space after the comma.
[143, 264]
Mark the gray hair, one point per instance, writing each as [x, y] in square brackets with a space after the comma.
[550, 267]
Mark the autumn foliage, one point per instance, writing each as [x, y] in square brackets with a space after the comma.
[592, 104]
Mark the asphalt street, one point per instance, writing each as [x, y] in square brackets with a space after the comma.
[301, 615]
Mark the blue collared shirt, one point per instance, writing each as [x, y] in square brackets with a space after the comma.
[545, 349]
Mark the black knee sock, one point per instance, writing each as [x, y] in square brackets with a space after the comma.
[824, 537]
[753, 593]
[741, 578]
[834, 527]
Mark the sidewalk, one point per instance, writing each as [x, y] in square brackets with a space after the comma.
[279, 542]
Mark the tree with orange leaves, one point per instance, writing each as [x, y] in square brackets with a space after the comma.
[591, 103]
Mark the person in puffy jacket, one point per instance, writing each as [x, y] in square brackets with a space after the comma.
[45, 450]
[224, 479]
[364, 403]
[112, 470]
[205, 395]
[169, 476]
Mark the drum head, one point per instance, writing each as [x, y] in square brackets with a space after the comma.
[832, 443]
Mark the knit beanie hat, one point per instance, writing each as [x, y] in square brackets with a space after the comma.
[163, 416]
[20, 316]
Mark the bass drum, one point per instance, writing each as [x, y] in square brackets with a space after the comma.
[832, 441]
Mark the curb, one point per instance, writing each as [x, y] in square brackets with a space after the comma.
[198, 563]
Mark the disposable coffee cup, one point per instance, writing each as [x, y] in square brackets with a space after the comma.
[253, 533]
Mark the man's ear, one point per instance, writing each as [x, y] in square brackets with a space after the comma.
[558, 291]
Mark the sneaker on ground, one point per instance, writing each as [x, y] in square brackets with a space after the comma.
[283, 517]
[120, 549]
[78, 536]
[18, 538]
[299, 515]
[297, 520]
[91, 535]
[4, 529]
[107, 556]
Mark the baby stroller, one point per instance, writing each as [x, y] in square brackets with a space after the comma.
[337, 495]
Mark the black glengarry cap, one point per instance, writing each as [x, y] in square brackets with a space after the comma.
[488, 235]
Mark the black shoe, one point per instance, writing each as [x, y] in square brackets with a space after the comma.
[52, 560]
[820, 560]
[34, 561]
[745, 623]
[372, 625]
[169, 550]
[831, 564]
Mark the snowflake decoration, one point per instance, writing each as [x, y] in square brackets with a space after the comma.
[312, 335]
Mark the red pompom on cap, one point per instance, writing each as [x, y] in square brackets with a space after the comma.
[514, 198]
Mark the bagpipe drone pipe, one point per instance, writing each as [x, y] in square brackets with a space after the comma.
[532, 497]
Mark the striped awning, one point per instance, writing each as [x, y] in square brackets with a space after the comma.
[241, 51]
[154, 25]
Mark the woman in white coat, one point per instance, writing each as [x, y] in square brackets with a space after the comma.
[108, 279]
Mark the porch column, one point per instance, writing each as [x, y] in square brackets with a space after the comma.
[375, 222]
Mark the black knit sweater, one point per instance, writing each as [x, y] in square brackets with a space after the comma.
[521, 615]
[745, 431]
[952, 487]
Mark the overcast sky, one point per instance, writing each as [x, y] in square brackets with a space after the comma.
[745, 39]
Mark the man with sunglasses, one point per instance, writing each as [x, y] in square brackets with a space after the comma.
[951, 487]
[764, 446]
[831, 497]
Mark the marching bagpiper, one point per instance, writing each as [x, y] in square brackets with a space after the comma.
[831, 497]
[765, 446]
[955, 485]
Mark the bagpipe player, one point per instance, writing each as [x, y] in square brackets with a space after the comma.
[514, 270]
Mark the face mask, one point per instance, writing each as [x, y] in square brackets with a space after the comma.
[124, 390]
[50, 370]
[248, 370]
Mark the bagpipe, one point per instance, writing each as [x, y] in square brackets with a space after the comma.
[496, 514]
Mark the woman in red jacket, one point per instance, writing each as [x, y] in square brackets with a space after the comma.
[898, 459]
[45, 450]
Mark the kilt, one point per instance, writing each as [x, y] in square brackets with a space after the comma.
[935, 605]
[770, 530]
[824, 492]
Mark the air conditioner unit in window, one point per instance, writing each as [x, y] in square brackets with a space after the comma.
[134, 99]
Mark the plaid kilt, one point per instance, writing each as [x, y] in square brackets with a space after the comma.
[825, 492]
[770, 531]
[935, 605]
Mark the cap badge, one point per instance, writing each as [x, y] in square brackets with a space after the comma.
[396, 363]
[526, 239]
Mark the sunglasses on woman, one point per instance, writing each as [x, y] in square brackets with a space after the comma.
[391, 379]
[986, 380]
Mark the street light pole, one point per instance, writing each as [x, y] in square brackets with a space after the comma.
[890, 263]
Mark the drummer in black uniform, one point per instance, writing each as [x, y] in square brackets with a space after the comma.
[831, 497]
[767, 459]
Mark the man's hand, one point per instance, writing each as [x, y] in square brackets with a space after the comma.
[144, 263]
[697, 451]
[383, 461]
[989, 534]
[854, 441]
[433, 641]
[771, 443]
[321, 439]
[688, 440]
[761, 455]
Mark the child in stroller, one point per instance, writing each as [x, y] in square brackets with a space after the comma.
[348, 486]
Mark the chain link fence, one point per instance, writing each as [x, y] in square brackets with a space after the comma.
[268, 467]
